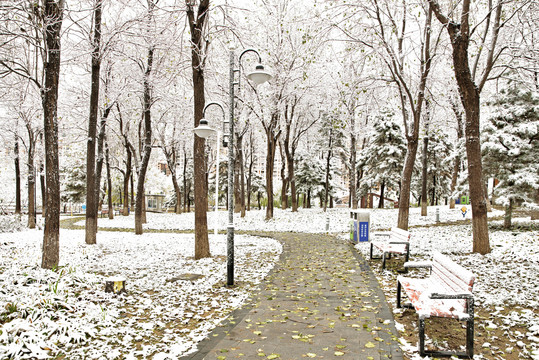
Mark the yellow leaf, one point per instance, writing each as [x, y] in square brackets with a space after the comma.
[369, 345]
[311, 355]
[339, 353]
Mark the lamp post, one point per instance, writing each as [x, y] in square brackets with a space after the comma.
[258, 76]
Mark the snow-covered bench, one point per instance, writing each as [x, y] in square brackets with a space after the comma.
[447, 292]
[397, 242]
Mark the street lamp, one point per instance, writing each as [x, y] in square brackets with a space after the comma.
[203, 130]
[258, 76]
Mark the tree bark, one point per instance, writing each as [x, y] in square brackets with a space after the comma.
[353, 159]
[470, 97]
[272, 138]
[198, 43]
[424, 200]
[284, 179]
[456, 164]
[43, 186]
[242, 178]
[53, 13]
[92, 186]
[31, 178]
[109, 184]
[147, 149]
[17, 178]
[404, 199]
[508, 215]
[328, 163]
[382, 190]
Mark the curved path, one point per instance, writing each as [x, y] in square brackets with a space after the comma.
[320, 301]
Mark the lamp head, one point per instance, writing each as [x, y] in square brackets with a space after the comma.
[203, 130]
[259, 76]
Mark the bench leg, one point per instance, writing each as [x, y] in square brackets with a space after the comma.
[384, 260]
[470, 328]
[399, 286]
[371, 250]
[421, 325]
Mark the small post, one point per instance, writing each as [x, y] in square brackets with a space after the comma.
[437, 215]
[327, 223]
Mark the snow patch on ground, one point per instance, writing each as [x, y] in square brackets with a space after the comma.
[305, 220]
[67, 310]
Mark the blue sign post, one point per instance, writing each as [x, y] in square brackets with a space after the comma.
[363, 231]
[362, 226]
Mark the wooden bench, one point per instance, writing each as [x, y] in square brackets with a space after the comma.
[447, 292]
[398, 242]
[104, 212]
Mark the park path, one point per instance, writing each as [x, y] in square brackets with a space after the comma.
[321, 301]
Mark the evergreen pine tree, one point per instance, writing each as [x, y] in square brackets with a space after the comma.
[510, 147]
[384, 155]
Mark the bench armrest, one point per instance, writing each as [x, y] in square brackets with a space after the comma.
[382, 234]
[464, 295]
[418, 264]
[399, 242]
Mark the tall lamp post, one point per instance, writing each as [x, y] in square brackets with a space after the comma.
[258, 76]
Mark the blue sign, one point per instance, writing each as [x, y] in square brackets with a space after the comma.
[363, 231]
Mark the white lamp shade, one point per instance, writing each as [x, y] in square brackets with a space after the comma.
[203, 130]
[259, 76]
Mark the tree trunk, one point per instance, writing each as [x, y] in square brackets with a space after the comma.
[100, 158]
[508, 215]
[470, 100]
[31, 182]
[53, 13]
[242, 179]
[456, 165]
[404, 199]
[127, 177]
[237, 189]
[109, 184]
[147, 150]
[197, 24]
[470, 97]
[424, 175]
[270, 163]
[177, 208]
[382, 190]
[328, 165]
[92, 186]
[185, 190]
[284, 179]
[17, 178]
[132, 181]
[43, 185]
[352, 169]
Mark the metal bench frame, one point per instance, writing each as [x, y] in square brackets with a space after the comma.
[383, 245]
[468, 296]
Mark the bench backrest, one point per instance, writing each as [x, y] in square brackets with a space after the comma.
[398, 234]
[450, 275]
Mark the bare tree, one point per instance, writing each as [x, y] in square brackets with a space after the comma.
[460, 32]
[199, 43]
[92, 186]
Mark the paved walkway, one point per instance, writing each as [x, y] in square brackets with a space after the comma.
[320, 301]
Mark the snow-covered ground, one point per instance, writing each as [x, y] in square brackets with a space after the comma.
[305, 220]
[506, 277]
[57, 310]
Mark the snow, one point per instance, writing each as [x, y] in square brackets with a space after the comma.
[68, 311]
[305, 220]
